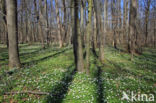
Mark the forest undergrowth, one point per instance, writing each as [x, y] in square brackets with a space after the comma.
[49, 76]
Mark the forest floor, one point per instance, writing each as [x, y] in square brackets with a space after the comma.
[52, 73]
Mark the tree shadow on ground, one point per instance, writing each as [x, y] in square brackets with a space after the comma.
[45, 58]
[4, 51]
[122, 69]
[23, 45]
[98, 76]
[99, 82]
[100, 85]
[5, 55]
[147, 60]
[30, 63]
[60, 90]
[24, 54]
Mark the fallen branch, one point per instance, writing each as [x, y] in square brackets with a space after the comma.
[25, 92]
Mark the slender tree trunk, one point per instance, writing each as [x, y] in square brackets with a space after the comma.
[125, 23]
[105, 19]
[77, 43]
[41, 23]
[82, 18]
[65, 22]
[154, 34]
[5, 21]
[37, 20]
[99, 31]
[47, 22]
[147, 12]
[94, 34]
[128, 30]
[119, 23]
[89, 28]
[132, 25]
[71, 23]
[114, 24]
[14, 60]
[59, 24]
[102, 36]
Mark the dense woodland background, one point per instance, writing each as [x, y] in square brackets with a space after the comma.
[89, 26]
[121, 23]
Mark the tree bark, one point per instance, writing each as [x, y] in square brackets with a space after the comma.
[5, 21]
[147, 12]
[14, 60]
[41, 23]
[114, 23]
[99, 31]
[89, 28]
[95, 34]
[77, 43]
[65, 22]
[132, 25]
[58, 25]
[125, 24]
[105, 19]
[47, 22]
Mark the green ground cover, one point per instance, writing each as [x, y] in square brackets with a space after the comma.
[52, 71]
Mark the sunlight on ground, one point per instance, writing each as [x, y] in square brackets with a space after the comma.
[52, 71]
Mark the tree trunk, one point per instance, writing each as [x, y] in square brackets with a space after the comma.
[94, 34]
[41, 23]
[89, 28]
[114, 24]
[125, 23]
[77, 43]
[105, 20]
[154, 34]
[14, 60]
[47, 22]
[65, 22]
[132, 25]
[99, 31]
[58, 24]
[5, 21]
[71, 23]
[147, 12]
